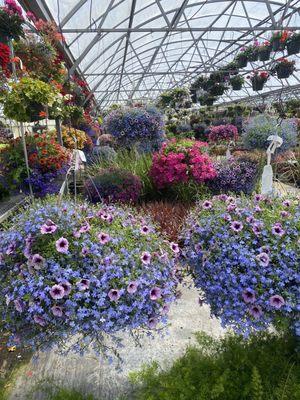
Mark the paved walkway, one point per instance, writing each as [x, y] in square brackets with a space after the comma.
[89, 375]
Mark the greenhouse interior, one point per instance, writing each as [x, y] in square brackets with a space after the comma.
[149, 200]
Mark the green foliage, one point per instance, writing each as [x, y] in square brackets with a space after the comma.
[265, 367]
[27, 98]
[68, 394]
[129, 160]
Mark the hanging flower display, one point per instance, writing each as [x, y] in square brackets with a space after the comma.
[258, 79]
[293, 43]
[11, 21]
[4, 57]
[244, 255]
[279, 39]
[264, 51]
[72, 269]
[283, 68]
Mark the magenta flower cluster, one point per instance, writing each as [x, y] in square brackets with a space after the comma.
[223, 133]
[74, 269]
[181, 163]
[245, 258]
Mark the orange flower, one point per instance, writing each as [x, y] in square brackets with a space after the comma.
[42, 114]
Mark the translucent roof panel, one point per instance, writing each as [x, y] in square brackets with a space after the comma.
[134, 49]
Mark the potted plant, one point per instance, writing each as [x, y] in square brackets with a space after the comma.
[217, 76]
[293, 43]
[264, 51]
[237, 82]
[242, 58]
[258, 79]
[279, 40]
[253, 51]
[11, 21]
[232, 68]
[283, 68]
[217, 89]
[27, 100]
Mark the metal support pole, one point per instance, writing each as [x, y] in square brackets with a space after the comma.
[58, 130]
[11, 47]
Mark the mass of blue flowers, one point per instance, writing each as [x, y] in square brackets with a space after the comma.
[131, 125]
[245, 256]
[71, 269]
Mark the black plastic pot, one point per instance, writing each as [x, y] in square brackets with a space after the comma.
[257, 85]
[283, 72]
[236, 85]
[293, 46]
[242, 61]
[264, 55]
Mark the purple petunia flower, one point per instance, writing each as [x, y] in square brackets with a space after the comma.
[223, 197]
[39, 320]
[48, 227]
[85, 228]
[256, 311]
[19, 305]
[57, 311]
[257, 228]
[278, 230]
[152, 322]
[114, 294]
[85, 251]
[165, 310]
[146, 257]
[67, 287]
[83, 284]
[62, 245]
[227, 217]
[258, 197]
[250, 219]
[206, 205]
[248, 295]
[155, 293]
[106, 217]
[145, 229]
[277, 301]
[263, 259]
[286, 203]
[37, 261]
[174, 247]
[285, 214]
[57, 292]
[103, 238]
[236, 226]
[231, 207]
[132, 287]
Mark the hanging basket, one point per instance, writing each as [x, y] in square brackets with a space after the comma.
[258, 85]
[236, 85]
[253, 56]
[293, 46]
[35, 110]
[277, 45]
[217, 90]
[283, 72]
[242, 61]
[264, 55]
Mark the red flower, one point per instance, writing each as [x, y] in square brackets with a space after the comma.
[4, 56]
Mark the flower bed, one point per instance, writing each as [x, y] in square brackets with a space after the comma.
[223, 133]
[235, 175]
[113, 185]
[71, 269]
[180, 162]
[245, 257]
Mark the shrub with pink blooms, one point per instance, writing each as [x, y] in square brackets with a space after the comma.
[181, 162]
[223, 133]
[76, 269]
[245, 257]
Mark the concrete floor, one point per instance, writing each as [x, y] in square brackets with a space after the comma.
[90, 375]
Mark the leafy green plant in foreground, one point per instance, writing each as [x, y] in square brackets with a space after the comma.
[266, 367]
